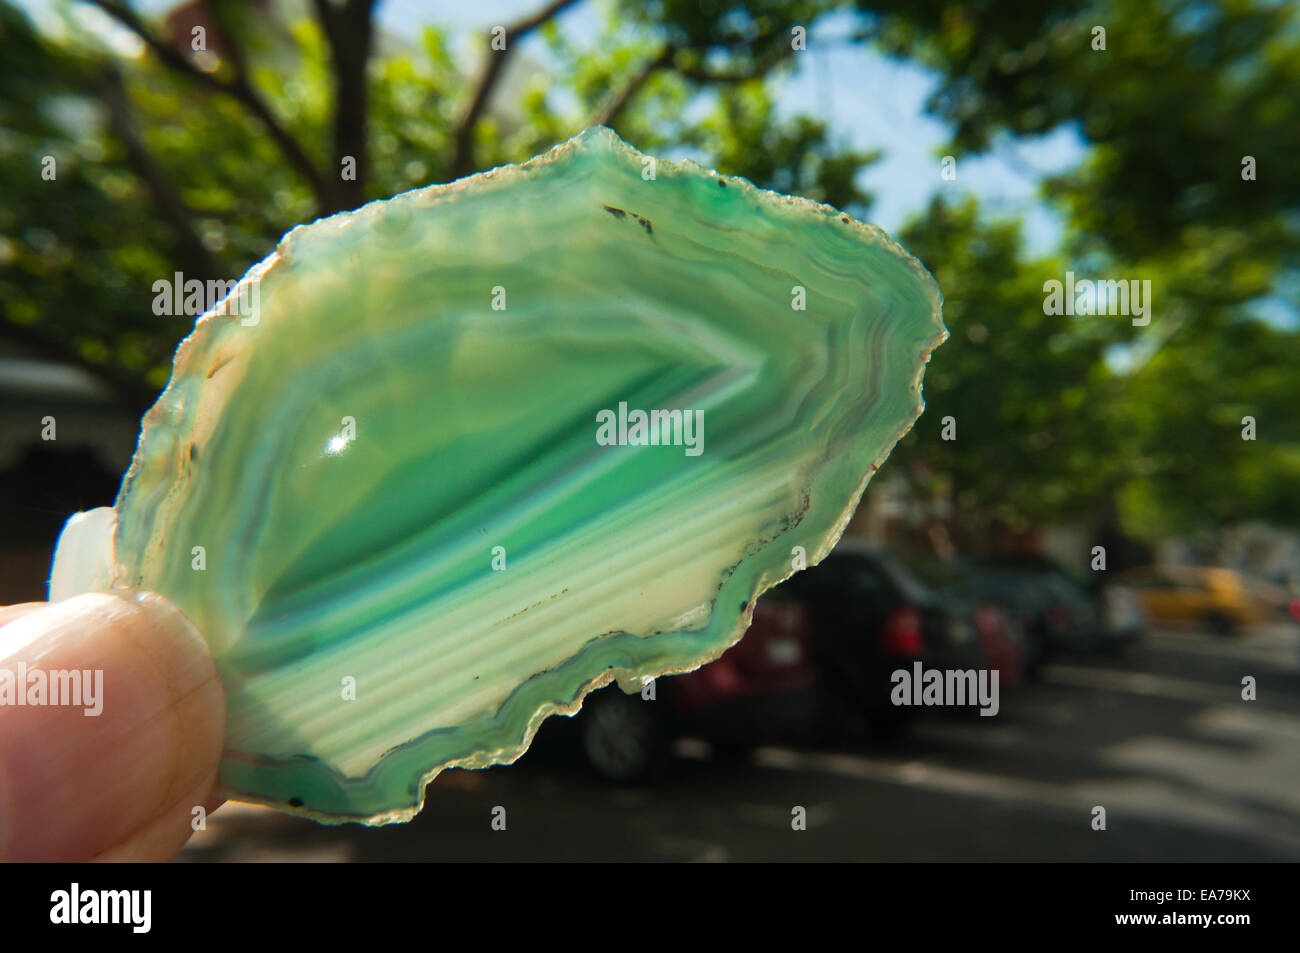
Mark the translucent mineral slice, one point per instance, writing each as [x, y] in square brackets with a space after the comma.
[441, 466]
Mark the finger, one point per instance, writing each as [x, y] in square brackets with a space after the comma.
[122, 783]
[162, 838]
[9, 613]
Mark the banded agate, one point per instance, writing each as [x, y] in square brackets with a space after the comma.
[416, 542]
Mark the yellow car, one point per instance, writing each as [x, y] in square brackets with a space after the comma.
[1216, 598]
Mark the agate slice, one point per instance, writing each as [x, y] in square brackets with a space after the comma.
[485, 447]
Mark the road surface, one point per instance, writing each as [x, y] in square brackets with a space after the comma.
[1160, 737]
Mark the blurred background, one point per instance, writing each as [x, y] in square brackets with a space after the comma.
[1104, 513]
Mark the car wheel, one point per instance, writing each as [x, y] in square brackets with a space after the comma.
[1220, 624]
[621, 736]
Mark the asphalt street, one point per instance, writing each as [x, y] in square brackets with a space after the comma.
[1160, 737]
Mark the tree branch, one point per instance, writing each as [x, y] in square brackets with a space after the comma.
[616, 103]
[237, 87]
[701, 74]
[349, 30]
[462, 157]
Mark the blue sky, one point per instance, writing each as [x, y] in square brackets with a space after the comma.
[870, 100]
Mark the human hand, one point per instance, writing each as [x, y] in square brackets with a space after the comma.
[122, 784]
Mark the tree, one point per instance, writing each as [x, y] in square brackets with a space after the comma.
[197, 161]
[1182, 108]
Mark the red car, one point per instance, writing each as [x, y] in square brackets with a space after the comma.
[763, 688]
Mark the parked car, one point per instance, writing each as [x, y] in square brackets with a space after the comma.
[1068, 614]
[998, 620]
[762, 689]
[1027, 601]
[1215, 598]
[875, 614]
[819, 657]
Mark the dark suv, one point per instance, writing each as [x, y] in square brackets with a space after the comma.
[873, 615]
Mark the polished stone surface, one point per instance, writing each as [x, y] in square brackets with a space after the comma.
[407, 494]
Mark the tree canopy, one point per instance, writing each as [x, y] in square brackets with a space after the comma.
[197, 161]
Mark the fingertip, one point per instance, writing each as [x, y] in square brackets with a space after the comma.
[79, 781]
[9, 613]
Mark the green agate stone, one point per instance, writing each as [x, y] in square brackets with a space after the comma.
[484, 447]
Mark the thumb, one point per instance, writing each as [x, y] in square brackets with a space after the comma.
[115, 773]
